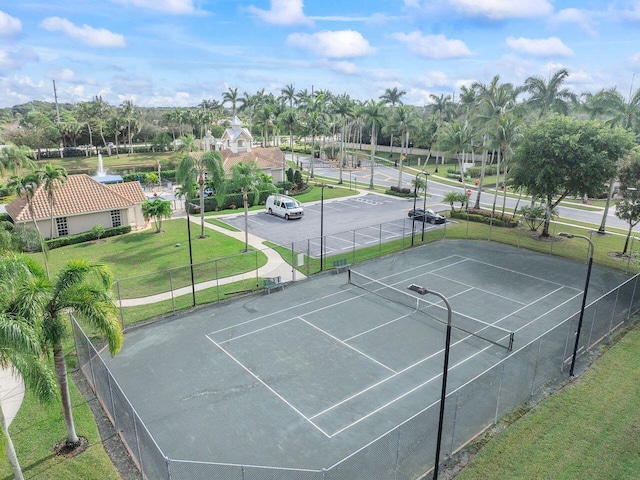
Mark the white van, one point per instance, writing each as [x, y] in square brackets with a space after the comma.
[284, 206]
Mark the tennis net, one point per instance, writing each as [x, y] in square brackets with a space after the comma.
[471, 326]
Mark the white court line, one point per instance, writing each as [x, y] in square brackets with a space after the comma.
[256, 331]
[379, 326]
[346, 345]
[278, 312]
[268, 387]
[493, 294]
[577, 295]
[402, 396]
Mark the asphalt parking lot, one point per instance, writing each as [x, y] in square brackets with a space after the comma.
[359, 221]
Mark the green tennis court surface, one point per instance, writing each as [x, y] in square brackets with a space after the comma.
[305, 377]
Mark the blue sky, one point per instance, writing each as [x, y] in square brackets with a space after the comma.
[178, 52]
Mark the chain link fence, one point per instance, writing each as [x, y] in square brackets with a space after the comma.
[407, 451]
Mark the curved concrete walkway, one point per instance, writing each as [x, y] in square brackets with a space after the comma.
[275, 267]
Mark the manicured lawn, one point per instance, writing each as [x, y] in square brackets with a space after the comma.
[146, 258]
[37, 428]
[589, 430]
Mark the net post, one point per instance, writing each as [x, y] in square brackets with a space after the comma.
[348, 275]
[511, 341]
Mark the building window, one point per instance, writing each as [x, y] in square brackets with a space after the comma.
[116, 220]
[240, 143]
[63, 228]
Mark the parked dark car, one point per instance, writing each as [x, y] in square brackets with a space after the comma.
[427, 216]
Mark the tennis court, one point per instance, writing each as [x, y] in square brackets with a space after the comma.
[306, 377]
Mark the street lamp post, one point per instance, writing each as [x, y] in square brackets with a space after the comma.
[424, 206]
[584, 295]
[193, 283]
[445, 370]
[322, 225]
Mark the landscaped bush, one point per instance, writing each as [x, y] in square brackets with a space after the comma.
[86, 237]
[489, 170]
[399, 192]
[211, 204]
[484, 216]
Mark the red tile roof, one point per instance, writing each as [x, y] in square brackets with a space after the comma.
[80, 194]
[270, 157]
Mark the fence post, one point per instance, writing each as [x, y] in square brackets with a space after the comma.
[309, 257]
[380, 239]
[257, 275]
[293, 263]
[173, 304]
[135, 430]
[397, 454]
[453, 427]
[120, 304]
[353, 255]
[215, 268]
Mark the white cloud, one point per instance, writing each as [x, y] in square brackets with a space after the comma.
[434, 78]
[579, 17]
[540, 47]
[9, 26]
[172, 6]
[341, 66]
[64, 75]
[93, 37]
[433, 46]
[502, 9]
[332, 44]
[282, 12]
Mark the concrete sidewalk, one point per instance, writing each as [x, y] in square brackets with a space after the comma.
[11, 393]
[275, 267]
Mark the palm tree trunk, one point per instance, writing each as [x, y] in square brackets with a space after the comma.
[504, 195]
[201, 191]
[245, 201]
[313, 144]
[10, 450]
[495, 195]
[51, 200]
[484, 164]
[401, 160]
[63, 385]
[341, 152]
[373, 154]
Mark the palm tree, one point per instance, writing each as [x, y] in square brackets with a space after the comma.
[456, 138]
[52, 178]
[231, 96]
[26, 186]
[194, 167]
[343, 106]
[20, 344]
[548, 96]
[128, 116]
[13, 158]
[85, 289]
[246, 177]
[374, 115]
[403, 121]
[289, 119]
[288, 94]
[157, 209]
[392, 96]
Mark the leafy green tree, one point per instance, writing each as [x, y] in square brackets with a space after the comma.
[246, 177]
[20, 343]
[98, 230]
[196, 167]
[231, 96]
[403, 121]
[559, 156]
[157, 210]
[628, 207]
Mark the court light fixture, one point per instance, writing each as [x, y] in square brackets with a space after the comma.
[445, 370]
[584, 295]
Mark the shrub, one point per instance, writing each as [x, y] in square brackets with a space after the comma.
[484, 216]
[85, 237]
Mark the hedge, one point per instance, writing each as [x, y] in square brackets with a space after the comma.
[85, 237]
[484, 216]
[211, 204]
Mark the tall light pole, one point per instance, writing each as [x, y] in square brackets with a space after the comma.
[445, 370]
[322, 225]
[584, 295]
[193, 283]
[424, 206]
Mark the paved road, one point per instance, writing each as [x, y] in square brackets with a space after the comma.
[388, 176]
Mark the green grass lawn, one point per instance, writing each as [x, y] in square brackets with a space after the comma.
[589, 430]
[37, 428]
